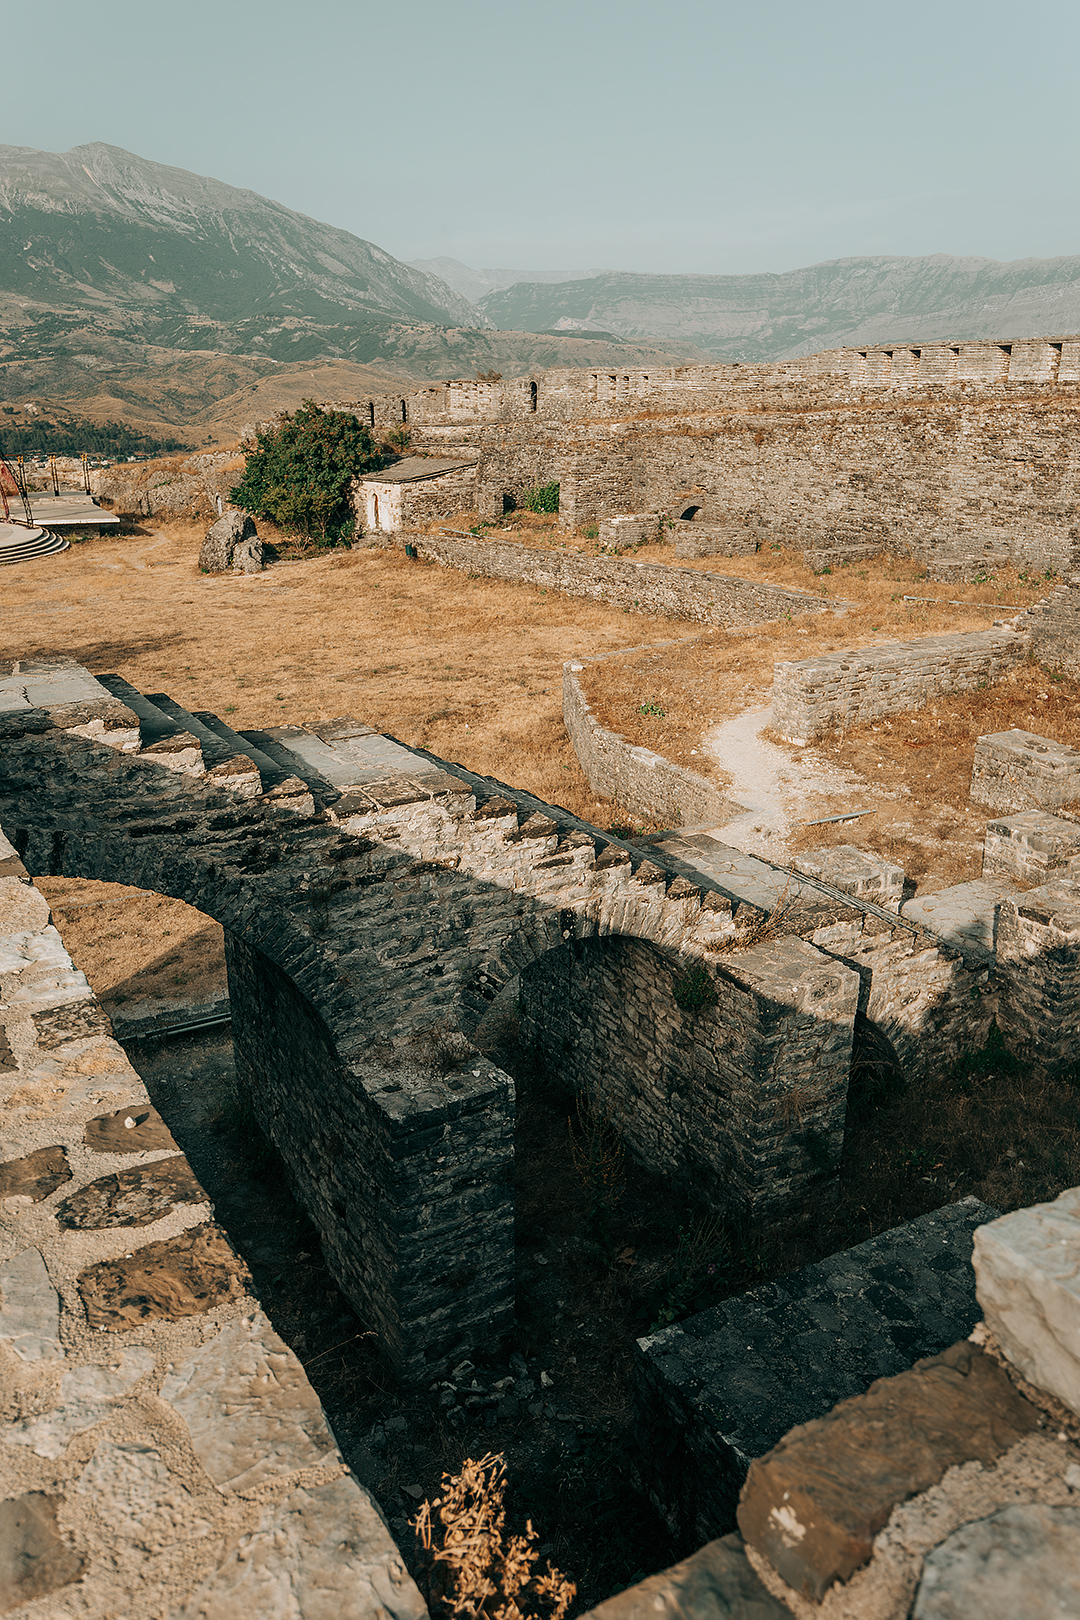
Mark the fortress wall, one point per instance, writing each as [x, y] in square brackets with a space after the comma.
[814, 696]
[719, 1099]
[569, 394]
[947, 482]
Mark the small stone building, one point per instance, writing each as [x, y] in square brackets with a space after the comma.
[412, 492]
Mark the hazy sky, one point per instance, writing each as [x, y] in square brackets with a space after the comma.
[668, 137]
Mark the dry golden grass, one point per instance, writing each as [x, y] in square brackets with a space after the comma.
[471, 669]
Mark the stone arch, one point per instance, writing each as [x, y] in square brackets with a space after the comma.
[689, 514]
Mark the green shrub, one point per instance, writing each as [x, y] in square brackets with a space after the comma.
[541, 498]
[299, 473]
[695, 991]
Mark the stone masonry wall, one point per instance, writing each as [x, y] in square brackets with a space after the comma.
[1054, 627]
[722, 1100]
[416, 1204]
[674, 593]
[814, 696]
[635, 777]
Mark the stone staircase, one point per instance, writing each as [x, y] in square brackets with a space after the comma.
[20, 544]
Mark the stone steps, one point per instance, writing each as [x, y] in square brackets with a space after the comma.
[37, 543]
[161, 738]
[228, 764]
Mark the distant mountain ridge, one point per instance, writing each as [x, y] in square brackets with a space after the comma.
[824, 306]
[476, 284]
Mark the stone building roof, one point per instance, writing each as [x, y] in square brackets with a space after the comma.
[415, 468]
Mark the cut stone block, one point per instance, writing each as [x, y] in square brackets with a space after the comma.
[1018, 770]
[963, 915]
[29, 1308]
[182, 1276]
[1021, 1561]
[35, 1176]
[725, 1386]
[1029, 846]
[814, 1504]
[1027, 1269]
[320, 1554]
[132, 1197]
[629, 529]
[717, 1583]
[856, 871]
[34, 1559]
[249, 1408]
[86, 1396]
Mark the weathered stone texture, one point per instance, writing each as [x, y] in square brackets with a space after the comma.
[1023, 1560]
[856, 871]
[1054, 627]
[1027, 1266]
[629, 529]
[1038, 953]
[726, 1385]
[1029, 847]
[813, 1505]
[232, 543]
[716, 1583]
[829, 693]
[1018, 770]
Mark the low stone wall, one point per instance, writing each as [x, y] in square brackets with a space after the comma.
[643, 782]
[1019, 770]
[1055, 628]
[163, 1451]
[723, 1387]
[817, 695]
[629, 529]
[1038, 949]
[670, 593]
[714, 540]
[723, 1097]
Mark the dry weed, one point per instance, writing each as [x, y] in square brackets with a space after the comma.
[470, 1567]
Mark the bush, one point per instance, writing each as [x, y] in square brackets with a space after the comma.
[299, 473]
[541, 498]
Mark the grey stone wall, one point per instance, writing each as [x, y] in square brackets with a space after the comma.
[835, 690]
[1038, 949]
[1019, 770]
[1054, 627]
[640, 780]
[673, 593]
[723, 1099]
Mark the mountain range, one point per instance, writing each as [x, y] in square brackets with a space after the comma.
[824, 306]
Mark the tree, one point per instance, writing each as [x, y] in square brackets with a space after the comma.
[300, 471]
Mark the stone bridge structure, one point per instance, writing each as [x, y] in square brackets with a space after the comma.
[377, 902]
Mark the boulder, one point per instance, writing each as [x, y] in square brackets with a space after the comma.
[232, 544]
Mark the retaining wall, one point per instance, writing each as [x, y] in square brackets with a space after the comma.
[814, 696]
[670, 593]
[643, 782]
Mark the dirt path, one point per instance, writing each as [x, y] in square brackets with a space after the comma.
[780, 789]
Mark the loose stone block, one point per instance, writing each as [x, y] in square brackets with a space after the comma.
[1018, 770]
[856, 871]
[248, 1405]
[725, 1386]
[1027, 1266]
[29, 1308]
[320, 1554]
[1023, 1560]
[1028, 847]
[717, 1583]
[34, 1559]
[813, 1505]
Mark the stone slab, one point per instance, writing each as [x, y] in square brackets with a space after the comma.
[725, 1386]
[34, 1559]
[716, 1583]
[182, 1276]
[133, 1197]
[248, 1406]
[29, 1308]
[138, 1499]
[1021, 1562]
[87, 1395]
[36, 1175]
[135, 1129]
[1027, 1266]
[963, 915]
[320, 1554]
[856, 871]
[813, 1505]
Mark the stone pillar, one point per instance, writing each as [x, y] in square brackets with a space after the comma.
[1038, 953]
